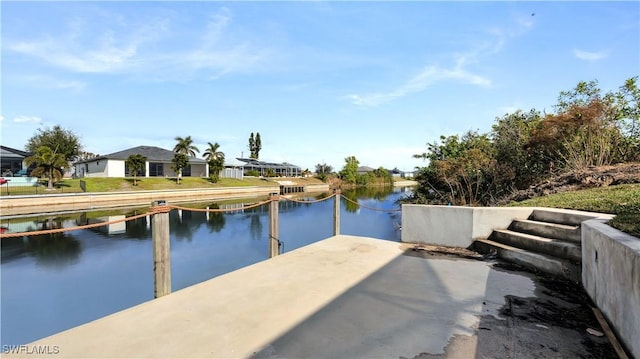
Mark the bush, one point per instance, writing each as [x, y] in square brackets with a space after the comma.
[252, 173]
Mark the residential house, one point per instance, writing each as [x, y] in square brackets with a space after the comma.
[12, 160]
[363, 170]
[276, 169]
[159, 164]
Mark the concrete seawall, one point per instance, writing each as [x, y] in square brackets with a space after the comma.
[15, 205]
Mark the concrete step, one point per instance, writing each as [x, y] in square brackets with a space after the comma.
[549, 246]
[536, 261]
[546, 229]
[559, 217]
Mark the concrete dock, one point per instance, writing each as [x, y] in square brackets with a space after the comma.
[344, 297]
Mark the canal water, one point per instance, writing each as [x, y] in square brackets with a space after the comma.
[55, 282]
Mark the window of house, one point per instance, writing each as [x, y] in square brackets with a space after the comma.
[186, 172]
[139, 174]
[156, 169]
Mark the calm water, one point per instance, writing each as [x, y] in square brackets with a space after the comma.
[54, 282]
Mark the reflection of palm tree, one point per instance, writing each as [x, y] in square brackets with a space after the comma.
[256, 227]
[56, 250]
[180, 225]
[138, 228]
[216, 220]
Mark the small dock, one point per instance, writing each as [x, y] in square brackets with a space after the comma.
[343, 297]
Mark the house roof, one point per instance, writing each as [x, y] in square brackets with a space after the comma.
[152, 153]
[9, 152]
[365, 169]
[262, 164]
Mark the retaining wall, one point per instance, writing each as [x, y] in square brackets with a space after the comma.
[611, 277]
[13, 205]
[455, 226]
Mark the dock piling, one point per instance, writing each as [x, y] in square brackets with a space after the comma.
[336, 213]
[274, 242]
[161, 252]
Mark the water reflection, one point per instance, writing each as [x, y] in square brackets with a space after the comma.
[63, 280]
[54, 251]
[215, 220]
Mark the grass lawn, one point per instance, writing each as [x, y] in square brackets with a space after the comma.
[96, 184]
[622, 200]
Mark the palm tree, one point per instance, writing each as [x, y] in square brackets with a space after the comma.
[185, 146]
[48, 163]
[215, 159]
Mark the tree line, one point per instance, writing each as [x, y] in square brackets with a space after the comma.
[588, 128]
[53, 149]
[350, 176]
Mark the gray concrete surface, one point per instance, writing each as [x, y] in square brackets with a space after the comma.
[611, 277]
[455, 226]
[348, 297]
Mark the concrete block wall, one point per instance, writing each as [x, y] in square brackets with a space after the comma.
[455, 226]
[611, 277]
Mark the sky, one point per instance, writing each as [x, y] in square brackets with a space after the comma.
[319, 80]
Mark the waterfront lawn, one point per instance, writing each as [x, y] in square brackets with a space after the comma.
[98, 184]
[621, 200]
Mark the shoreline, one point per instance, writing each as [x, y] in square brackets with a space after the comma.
[35, 204]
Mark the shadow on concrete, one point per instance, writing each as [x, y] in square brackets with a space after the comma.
[421, 306]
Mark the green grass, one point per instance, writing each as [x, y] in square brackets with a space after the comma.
[621, 200]
[97, 184]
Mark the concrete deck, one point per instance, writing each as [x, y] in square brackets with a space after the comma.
[344, 297]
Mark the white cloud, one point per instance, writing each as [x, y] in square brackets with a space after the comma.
[27, 119]
[460, 72]
[590, 56]
[428, 76]
[137, 49]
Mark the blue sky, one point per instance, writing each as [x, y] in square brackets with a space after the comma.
[319, 80]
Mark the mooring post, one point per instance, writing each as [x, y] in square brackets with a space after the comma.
[161, 253]
[273, 225]
[336, 212]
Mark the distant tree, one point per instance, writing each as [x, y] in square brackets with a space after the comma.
[627, 102]
[48, 164]
[323, 170]
[255, 145]
[185, 146]
[180, 162]
[86, 156]
[215, 158]
[349, 171]
[59, 140]
[252, 146]
[384, 175]
[258, 146]
[136, 165]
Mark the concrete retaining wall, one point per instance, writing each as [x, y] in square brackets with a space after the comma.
[14, 205]
[611, 277]
[455, 226]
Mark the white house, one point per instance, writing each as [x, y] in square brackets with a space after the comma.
[158, 164]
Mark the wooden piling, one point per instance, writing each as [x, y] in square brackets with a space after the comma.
[336, 213]
[274, 242]
[161, 252]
